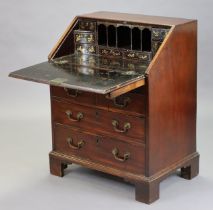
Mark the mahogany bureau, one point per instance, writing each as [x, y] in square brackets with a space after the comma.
[123, 98]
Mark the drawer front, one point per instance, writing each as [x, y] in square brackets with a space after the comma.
[73, 114]
[87, 25]
[85, 48]
[122, 125]
[159, 33]
[102, 102]
[143, 56]
[129, 103]
[155, 46]
[74, 96]
[84, 37]
[110, 52]
[93, 119]
[104, 150]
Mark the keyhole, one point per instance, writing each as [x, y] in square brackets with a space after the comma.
[96, 115]
[98, 140]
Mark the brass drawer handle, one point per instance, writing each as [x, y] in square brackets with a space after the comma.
[126, 101]
[78, 117]
[126, 127]
[69, 93]
[79, 145]
[125, 157]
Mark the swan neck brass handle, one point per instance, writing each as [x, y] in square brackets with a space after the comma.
[116, 155]
[79, 116]
[124, 104]
[72, 93]
[126, 127]
[79, 145]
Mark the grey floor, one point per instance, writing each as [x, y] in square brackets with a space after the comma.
[28, 30]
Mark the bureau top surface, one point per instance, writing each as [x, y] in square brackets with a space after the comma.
[137, 18]
[85, 72]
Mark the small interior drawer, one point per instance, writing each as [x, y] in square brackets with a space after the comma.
[84, 37]
[105, 150]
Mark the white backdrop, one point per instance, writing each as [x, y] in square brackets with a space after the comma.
[28, 31]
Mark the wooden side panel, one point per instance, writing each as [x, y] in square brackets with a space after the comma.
[171, 96]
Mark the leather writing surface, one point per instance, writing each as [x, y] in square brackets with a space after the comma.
[85, 72]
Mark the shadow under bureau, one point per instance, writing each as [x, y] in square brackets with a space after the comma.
[123, 97]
